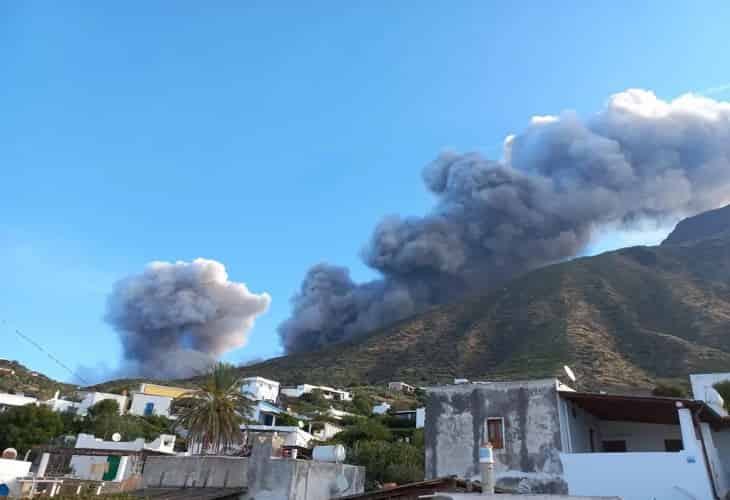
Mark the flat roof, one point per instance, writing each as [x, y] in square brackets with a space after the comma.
[647, 409]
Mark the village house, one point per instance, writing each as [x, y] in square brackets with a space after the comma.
[327, 392]
[92, 398]
[154, 399]
[260, 389]
[548, 438]
[401, 387]
[417, 417]
[19, 399]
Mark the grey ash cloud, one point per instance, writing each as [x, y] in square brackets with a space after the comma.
[175, 319]
[560, 182]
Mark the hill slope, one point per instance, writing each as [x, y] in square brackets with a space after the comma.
[14, 377]
[620, 319]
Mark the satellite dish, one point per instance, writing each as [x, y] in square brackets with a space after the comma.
[569, 373]
[10, 453]
[116, 437]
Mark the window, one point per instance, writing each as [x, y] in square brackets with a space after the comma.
[149, 409]
[495, 432]
[673, 444]
[616, 446]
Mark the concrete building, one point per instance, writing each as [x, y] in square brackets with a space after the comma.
[417, 416]
[381, 408]
[10, 471]
[91, 398]
[327, 392]
[260, 389]
[401, 387]
[10, 400]
[57, 404]
[549, 439]
[153, 399]
[114, 467]
[291, 435]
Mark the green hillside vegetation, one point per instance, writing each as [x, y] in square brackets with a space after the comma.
[29, 382]
[622, 320]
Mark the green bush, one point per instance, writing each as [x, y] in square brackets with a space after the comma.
[23, 427]
[388, 462]
[723, 388]
[365, 430]
[668, 391]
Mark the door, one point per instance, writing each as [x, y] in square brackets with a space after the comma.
[113, 467]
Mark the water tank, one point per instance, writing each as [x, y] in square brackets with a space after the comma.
[10, 453]
[334, 453]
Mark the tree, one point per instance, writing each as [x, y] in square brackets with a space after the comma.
[364, 430]
[388, 462]
[214, 412]
[23, 427]
[362, 404]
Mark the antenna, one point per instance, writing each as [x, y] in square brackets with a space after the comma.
[569, 373]
[116, 437]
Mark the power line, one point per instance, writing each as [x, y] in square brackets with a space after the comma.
[50, 356]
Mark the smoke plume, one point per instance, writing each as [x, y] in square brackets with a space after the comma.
[559, 182]
[176, 319]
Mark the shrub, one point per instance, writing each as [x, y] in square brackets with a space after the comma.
[668, 391]
[364, 430]
[388, 462]
[723, 388]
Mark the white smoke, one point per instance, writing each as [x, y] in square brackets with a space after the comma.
[558, 184]
[175, 319]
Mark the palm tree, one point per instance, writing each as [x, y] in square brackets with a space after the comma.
[214, 412]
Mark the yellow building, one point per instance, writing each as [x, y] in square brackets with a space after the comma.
[163, 390]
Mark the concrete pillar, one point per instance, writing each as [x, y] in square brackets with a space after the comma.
[123, 464]
[686, 425]
[43, 465]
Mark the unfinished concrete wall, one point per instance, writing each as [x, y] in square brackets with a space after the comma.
[201, 471]
[455, 427]
[266, 479]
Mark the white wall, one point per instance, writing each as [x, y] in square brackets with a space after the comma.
[165, 443]
[259, 388]
[16, 400]
[701, 382]
[579, 423]
[161, 404]
[420, 418]
[639, 436]
[637, 476]
[91, 398]
[10, 470]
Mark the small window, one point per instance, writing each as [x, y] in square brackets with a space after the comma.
[673, 444]
[495, 432]
[616, 446]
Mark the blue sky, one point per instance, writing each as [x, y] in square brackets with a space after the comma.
[273, 135]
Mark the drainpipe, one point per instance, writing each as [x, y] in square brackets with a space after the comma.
[695, 421]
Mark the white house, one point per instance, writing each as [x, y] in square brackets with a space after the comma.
[260, 389]
[327, 392]
[10, 471]
[8, 400]
[417, 416]
[293, 436]
[117, 466]
[326, 431]
[401, 387]
[547, 438]
[381, 409]
[91, 398]
[57, 404]
[154, 399]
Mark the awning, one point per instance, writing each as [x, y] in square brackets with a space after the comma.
[647, 409]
